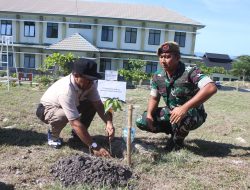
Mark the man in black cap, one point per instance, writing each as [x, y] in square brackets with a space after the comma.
[75, 99]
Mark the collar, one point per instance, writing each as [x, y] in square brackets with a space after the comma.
[178, 72]
[73, 83]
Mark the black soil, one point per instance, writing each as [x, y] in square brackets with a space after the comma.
[93, 171]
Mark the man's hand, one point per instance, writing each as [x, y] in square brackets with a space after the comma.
[149, 120]
[101, 152]
[110, 130]
[177, 114]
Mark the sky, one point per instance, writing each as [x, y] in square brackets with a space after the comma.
[227, 23]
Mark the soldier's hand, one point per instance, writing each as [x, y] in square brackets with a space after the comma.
[177, 114]
[101, 152]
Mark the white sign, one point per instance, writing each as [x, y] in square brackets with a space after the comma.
[111, 75]
[112, 89]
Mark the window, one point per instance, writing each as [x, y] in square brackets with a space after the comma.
[105, 64]
[216, 78]
[29, 29]
[82, 26]
[29, 61]
[6, 27]
[151, 67]
[4, 60]
[130, 35]
[52, 30]
[126, 64]
[107, 33]
[180, 38]
[154, 37]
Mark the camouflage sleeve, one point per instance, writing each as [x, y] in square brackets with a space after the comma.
[154, 88]
[198, 78]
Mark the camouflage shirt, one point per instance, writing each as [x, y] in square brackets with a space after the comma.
[181, 87]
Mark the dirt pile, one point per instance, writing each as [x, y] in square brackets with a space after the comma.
[80, 169]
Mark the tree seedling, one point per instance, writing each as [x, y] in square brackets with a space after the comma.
[112, 105]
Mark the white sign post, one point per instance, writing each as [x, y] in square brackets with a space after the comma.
[112, 89]
[111, 75]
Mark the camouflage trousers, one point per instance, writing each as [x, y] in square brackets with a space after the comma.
[194, 119]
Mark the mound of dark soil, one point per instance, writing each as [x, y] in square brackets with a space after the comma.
[4, 186]
[79, 169]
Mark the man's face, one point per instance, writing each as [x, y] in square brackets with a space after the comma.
[169, 61]
[83, 83]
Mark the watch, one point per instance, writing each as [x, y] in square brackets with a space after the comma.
[93, 146]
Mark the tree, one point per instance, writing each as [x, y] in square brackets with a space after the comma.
[135, 71]
[57, 62]
[241, 66]
[210, 70]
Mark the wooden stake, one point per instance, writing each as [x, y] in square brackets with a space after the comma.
[130, 113]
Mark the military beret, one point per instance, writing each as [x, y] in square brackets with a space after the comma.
[168, 47]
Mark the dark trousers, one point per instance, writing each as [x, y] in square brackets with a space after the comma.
[161, 121]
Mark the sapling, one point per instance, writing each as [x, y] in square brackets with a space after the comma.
[112, 105]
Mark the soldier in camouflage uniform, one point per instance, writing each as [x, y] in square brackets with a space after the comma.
[184, 90]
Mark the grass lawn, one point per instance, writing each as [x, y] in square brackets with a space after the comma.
[217, 155]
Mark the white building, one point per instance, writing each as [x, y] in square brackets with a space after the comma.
[111, 33]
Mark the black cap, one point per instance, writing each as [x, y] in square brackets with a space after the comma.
[86, 68]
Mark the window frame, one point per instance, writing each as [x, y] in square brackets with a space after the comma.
[152, 67]
[107, 33]
[155, 36]
[6, 25]
[52, 30]
[103, 65]
[4, 59]
[180, 38]
[125, 64]
[30, 58]
[81, 26]
[29, 25]
[130, 35]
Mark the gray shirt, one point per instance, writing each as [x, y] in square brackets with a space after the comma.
[65, 94]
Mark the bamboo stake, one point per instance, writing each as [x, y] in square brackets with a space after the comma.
[130, 112]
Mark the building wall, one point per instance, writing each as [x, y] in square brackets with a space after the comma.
[89, 33]
[86, 33]
[93, 35]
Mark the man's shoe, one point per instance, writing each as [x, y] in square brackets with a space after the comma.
[55, 143]
[75, 137]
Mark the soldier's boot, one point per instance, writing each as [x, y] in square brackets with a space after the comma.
[176, 142]
[179, 136]
[170, 144]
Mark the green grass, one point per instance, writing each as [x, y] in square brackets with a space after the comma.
[214, 157]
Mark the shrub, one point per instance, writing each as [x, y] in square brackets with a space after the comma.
[3, 73]
[44, 80]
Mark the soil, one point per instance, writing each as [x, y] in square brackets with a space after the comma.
[93, 171]
[4, 186]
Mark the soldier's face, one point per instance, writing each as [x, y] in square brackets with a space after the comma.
[169, 61]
